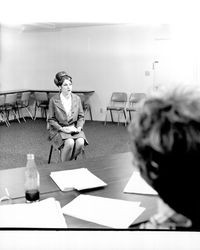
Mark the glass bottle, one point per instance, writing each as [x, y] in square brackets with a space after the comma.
[32, 180]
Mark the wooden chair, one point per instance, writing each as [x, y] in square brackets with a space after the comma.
[24, 103]
[118, 102]
[134, 100]
[41, 102]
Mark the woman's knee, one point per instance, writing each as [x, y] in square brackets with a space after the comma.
[79, 143]
[69, 143]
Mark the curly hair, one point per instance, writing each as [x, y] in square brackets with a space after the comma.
[165, 140]
[60, 77]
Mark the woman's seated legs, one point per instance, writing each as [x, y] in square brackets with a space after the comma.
[79, 144]
[67, 150]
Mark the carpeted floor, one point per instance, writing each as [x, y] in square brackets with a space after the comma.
[31, 137]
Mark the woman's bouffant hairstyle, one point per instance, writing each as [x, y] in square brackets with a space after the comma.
[60, 77]
[165, 138]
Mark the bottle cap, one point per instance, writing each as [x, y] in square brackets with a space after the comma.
[30, 156]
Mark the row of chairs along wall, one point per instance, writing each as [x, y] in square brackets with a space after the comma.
[13, 104]
[122, 105]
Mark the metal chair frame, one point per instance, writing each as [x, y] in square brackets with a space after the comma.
[24, 104]
[118, 103]
[42, 102]
[11, 106]
[3, 110]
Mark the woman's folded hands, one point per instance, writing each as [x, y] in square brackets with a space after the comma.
[71, 129]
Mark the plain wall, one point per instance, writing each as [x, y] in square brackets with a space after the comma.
[103, 58]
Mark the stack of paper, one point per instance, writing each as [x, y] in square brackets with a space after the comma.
[78, 179]
[137, 184]
[105, 211]
[42, 214]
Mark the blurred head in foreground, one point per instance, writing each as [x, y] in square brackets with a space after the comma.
[165, 139]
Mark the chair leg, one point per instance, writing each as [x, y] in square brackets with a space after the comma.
[118, 117]
[82, 153]
[124, 116]
[4, 119]
[22, 115]
[29, 113]
[90, 110]
[111, 115]
[50, 154]
[35, 113]
[130, 115]
[15, 114]
[46, 116]
[105, 118]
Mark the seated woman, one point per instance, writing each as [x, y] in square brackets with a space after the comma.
[166, 146]
[66, 119]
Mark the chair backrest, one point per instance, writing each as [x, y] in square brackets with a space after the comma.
[119, 97]
[11, 99]
[25, 96]
[51, 94]
[135, 100]
[2, 100]
[41, 96]
[136, 97]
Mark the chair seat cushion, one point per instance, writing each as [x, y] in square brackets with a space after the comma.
[131, 109]
[115, 108]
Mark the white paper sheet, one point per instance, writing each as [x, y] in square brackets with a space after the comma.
[43, 214]
[78, 179]
[105, 211]
[137, 184]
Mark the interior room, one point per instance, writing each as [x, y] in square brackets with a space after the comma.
[101, 58]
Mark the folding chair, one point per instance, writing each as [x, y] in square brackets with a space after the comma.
[117, 103]
[24, 103]
[3, 116]
[42, 103]
[134, 100]
[11, 106]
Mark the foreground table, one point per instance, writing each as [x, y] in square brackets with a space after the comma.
[115, 170]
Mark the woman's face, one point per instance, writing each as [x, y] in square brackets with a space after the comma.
[66, 87]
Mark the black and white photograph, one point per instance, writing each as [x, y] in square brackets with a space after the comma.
[99, 124]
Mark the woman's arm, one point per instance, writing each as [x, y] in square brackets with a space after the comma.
[81, 116]
[53, 122]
